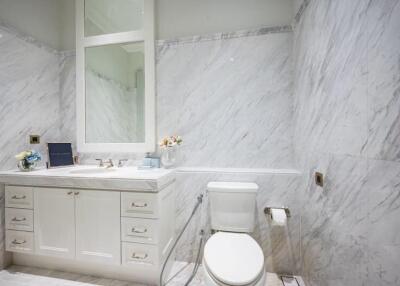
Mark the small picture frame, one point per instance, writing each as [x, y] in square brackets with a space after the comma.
[60, 155]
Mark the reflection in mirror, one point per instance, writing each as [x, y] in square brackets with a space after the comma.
[115, 93]
[106, 17]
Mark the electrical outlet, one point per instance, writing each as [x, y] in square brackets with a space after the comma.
[319, 179]
[34, 139]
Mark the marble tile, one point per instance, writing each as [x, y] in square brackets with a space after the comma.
[346, 111]
[383, 191]
[67, 97]
[384, 80]
[330, 78]
[229, 102]
[334, 223]
[28, 276]
[29, 95]
[30, 104]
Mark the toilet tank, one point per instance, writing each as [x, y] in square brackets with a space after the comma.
[232, 206]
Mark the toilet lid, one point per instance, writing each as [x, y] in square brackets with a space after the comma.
[233, 258]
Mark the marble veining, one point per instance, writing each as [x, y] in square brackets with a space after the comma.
[29, 89]
[346, 93]
[92, 177]
[227, 101]
[226, 35]
[383, 80]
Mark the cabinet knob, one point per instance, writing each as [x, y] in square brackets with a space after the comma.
[140, 256]
[18, 242]
[76, 193]
[19, 219]
[70, 193]
[16, 197]
[139, 229]
[139, 204]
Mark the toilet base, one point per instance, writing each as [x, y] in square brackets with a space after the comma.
[209, 281]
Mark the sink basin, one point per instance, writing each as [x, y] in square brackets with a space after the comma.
[93, 171]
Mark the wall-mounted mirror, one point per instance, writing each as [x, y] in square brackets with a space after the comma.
[107, 17]
[115, 76]
[115, 93]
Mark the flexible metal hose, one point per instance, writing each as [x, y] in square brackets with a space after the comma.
[199, 201]
[197, 263]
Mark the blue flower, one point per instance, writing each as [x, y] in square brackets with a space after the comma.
[33, 157]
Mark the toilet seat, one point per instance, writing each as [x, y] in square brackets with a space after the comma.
[233, 259]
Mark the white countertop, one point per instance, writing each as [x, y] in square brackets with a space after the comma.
[92, 177]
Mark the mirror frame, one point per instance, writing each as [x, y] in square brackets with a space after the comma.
[145, 35]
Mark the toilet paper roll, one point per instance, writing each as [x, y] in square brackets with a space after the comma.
[278, 217]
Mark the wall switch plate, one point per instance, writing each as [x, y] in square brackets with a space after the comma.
[319, 179]
[34, 139]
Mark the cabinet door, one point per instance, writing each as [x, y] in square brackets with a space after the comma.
[54, 222]
[98, 227]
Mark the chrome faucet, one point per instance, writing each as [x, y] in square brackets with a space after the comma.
[109, 162]
[101, 163]
[121, 162]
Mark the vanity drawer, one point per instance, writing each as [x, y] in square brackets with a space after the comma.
[19, 241]
[140, 230]
[138, 205]
[139, 254]
[19, 197]
[19, 219]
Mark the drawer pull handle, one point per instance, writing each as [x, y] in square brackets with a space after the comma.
[139, 230]
[19, 219]
[140, 256]
[139, 205]
[18, 242]
[70, 193]
[76, 193]
[16, 197]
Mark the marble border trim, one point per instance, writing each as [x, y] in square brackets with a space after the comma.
[226, 35]
[237, 170]
[301, 11]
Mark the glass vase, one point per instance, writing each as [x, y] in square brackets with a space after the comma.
[25, 166]
[168, 156]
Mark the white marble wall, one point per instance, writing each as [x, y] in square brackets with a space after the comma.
[29, 97]
[347, 111]
[229, 97]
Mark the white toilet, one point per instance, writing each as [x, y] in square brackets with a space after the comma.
[231, 256]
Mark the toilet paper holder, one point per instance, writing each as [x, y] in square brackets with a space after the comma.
[268, 211]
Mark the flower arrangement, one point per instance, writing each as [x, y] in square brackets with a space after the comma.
[169, 151]
[27, 160]
[170, 141]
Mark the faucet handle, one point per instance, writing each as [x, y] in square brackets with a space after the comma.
[110, 161]
[101, 163]
[121, 162]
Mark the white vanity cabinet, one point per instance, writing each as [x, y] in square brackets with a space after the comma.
[81, 224]
[54, 220]
[98, 236]
[117, 223]
[121, 226]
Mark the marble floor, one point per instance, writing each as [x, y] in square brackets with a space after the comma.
[30, 276]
